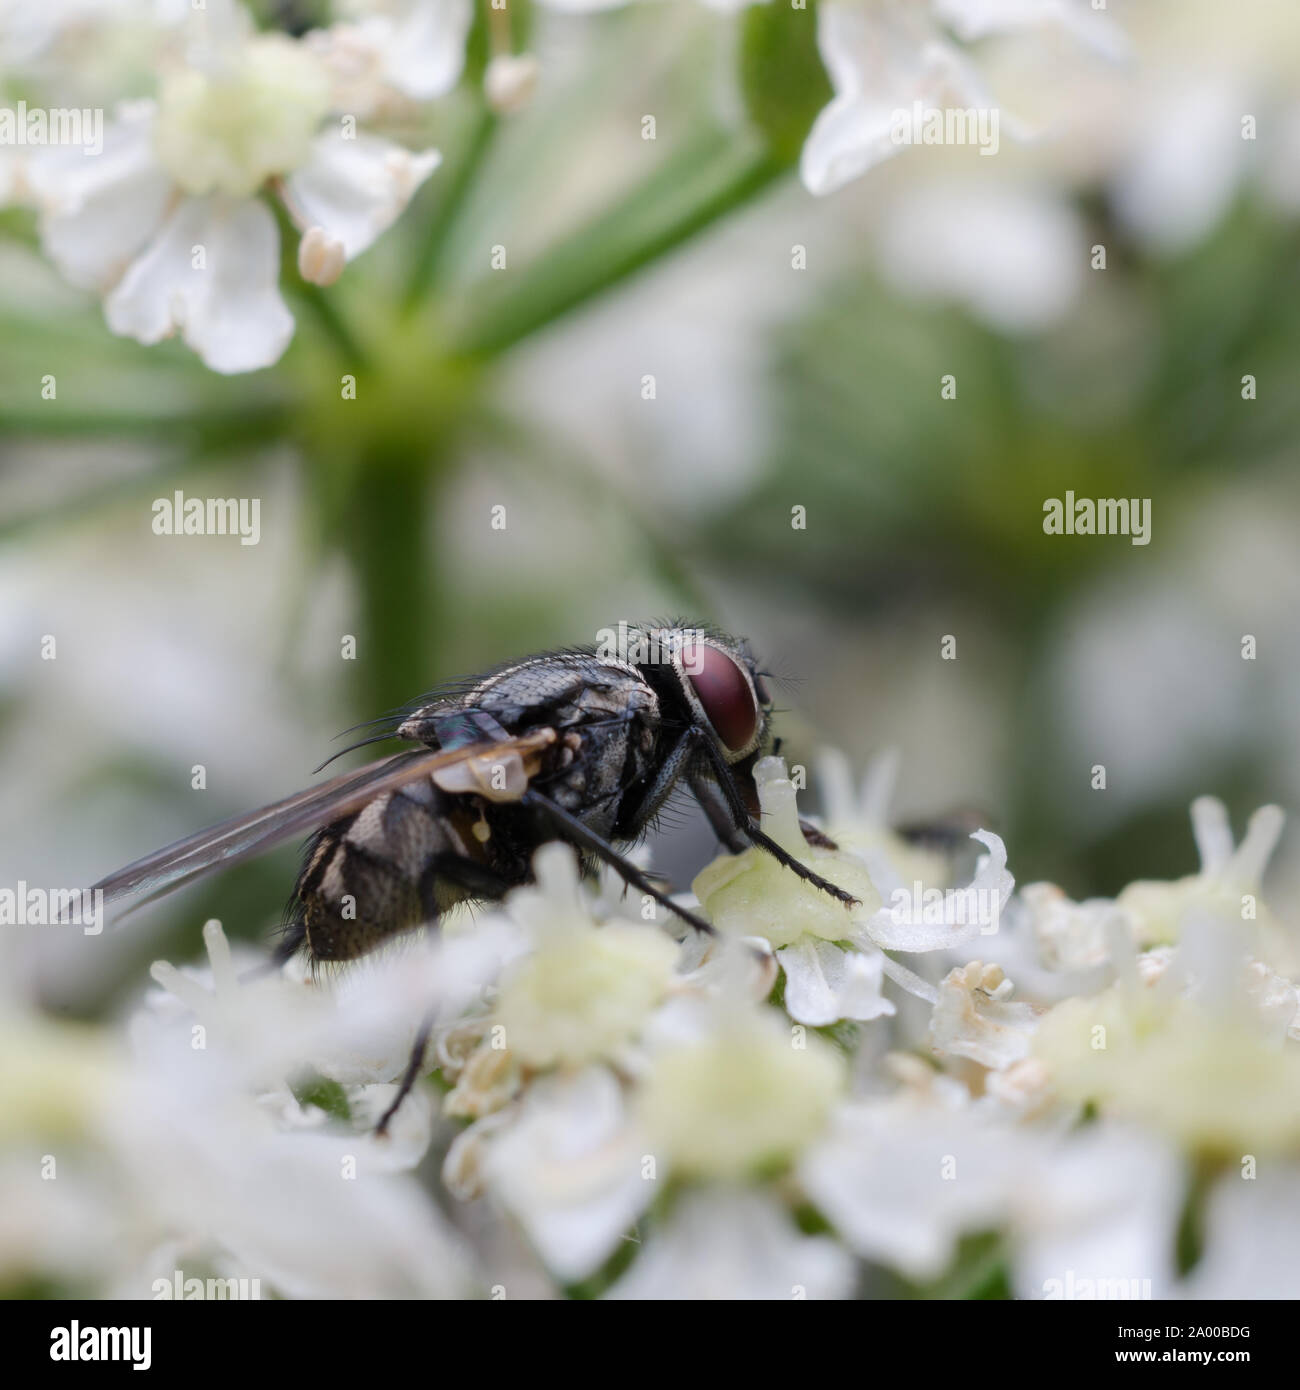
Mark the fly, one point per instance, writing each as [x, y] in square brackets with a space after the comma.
[582, 746]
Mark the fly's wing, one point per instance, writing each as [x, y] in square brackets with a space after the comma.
[499, 771]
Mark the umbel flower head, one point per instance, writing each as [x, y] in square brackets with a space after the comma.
[170, 224]
[619, 1114]
[834, 962]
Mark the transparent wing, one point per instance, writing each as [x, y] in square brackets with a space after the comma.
[469, 769]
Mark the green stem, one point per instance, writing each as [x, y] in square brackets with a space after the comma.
[326, 311]
[214, 425]
[681, 198]
[384, 531]
[426, 270]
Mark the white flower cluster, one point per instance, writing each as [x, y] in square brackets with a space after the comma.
[169, 221]
[170, 218]
[784, 1111]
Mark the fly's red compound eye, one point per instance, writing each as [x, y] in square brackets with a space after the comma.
[724, 692]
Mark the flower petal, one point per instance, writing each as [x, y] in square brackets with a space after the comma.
[427, 51]
[911, 922]
[880, 61]
[228, 307]
[354, 189]
[725, 1243]
[97, 213]
[569, 1169]
[824, 983]
[972, 1018]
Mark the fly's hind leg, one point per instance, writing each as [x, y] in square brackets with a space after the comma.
[478, 881]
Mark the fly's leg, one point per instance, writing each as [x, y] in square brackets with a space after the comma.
[730, 817]
[476, 879]
[572, 830]
[816, 837]
[412, 1072]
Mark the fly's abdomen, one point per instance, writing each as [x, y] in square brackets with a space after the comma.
[381, 872]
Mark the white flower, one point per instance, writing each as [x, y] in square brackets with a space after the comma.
[1226, 885]
[1193, 1038]
[1014, 255]
[388, 51]
[883, 56]
[1076, 942]
[903, 1179]
[178, 1146]
[824, 983]
[584, 990]
[567, 1165]
[726, 1243]
[1069, 935]
[834, 959]
[972, 1017]
[1096, 1215]
[744, 1093]
[1251, 1231]
[167, 223]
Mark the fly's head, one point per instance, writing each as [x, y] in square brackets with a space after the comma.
[715, 681]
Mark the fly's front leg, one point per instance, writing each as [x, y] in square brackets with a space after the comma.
[721, 797]
[573, 831]
[713, 803]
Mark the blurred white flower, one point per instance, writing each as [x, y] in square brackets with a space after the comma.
[884, 56]
[1251, 1231]
[1016, 256]
[592, 6]
[583, 990]
[973, 1017]
[385, 52]
[1195, 1037]
[834, 959]
[167, 224]
[1068, 935]
[1098, 1212]
[903, 1179]
[724, 1243]
[1227, 885]
[744, 1092]
[569, 1167]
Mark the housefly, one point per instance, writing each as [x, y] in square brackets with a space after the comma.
[583, 745]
